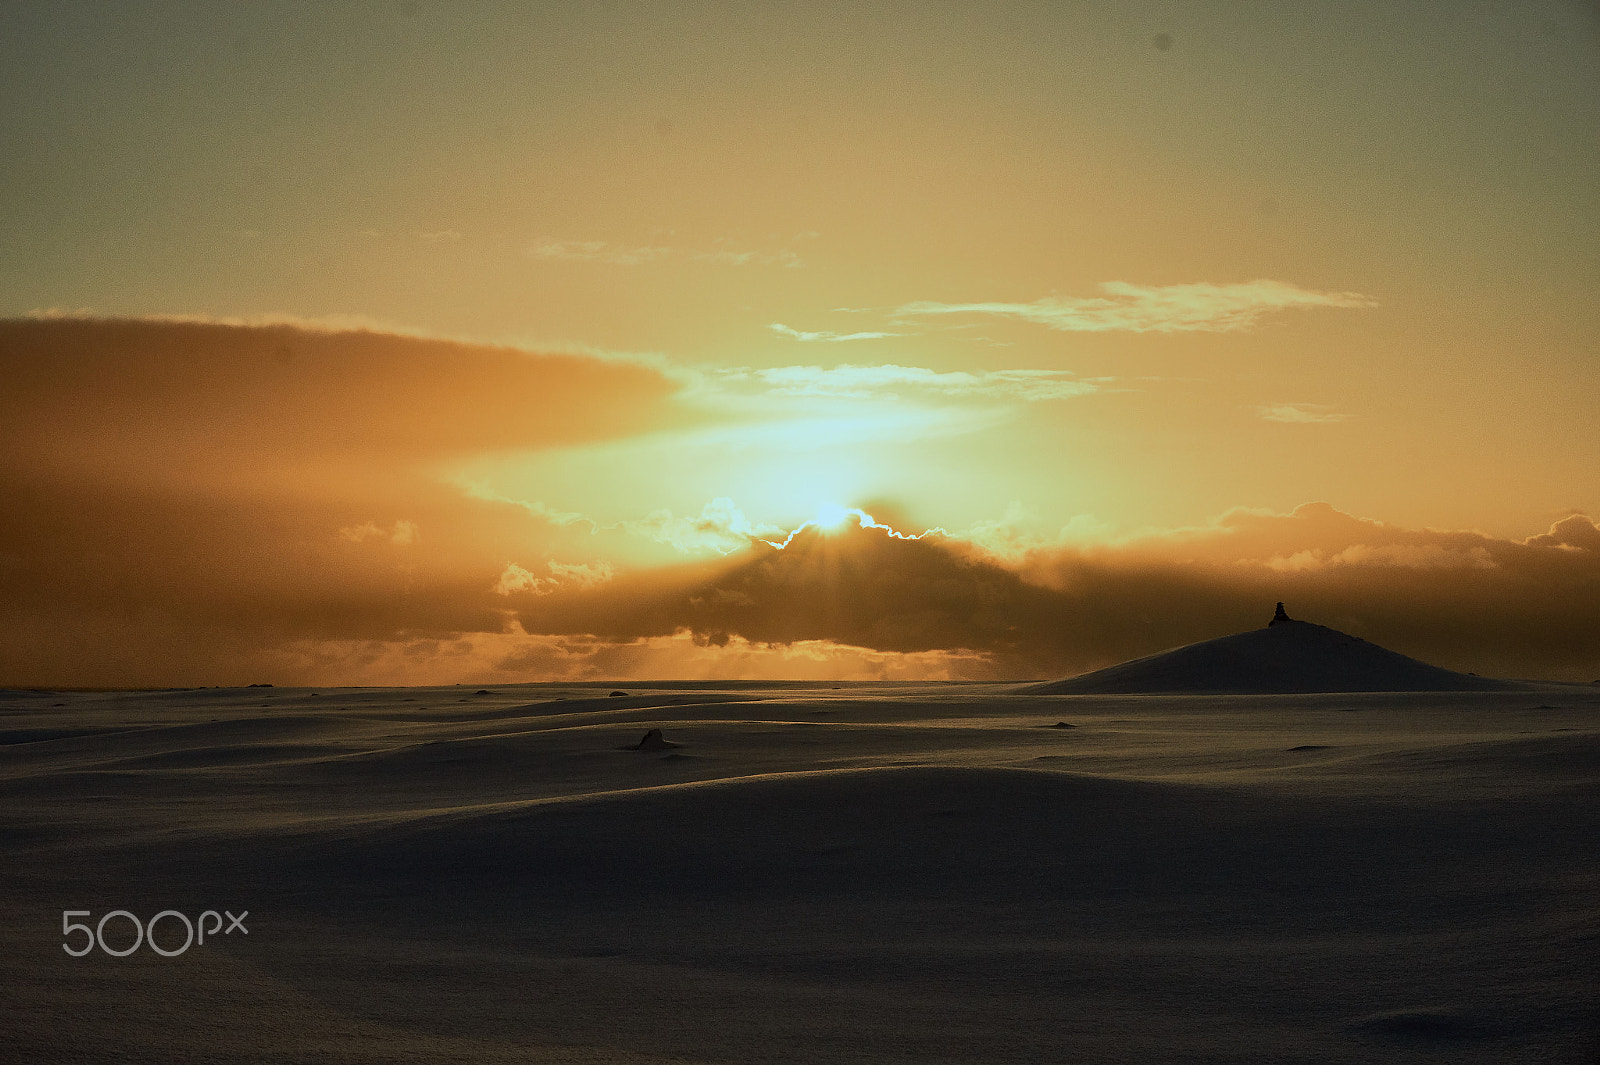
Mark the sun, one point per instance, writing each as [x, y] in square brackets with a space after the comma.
[832, 515]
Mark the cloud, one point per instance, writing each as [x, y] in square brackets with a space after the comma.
[516, 579]
[580, 575]
[185, 495]
[1301, 413]
[512, 655]
[595, 251]
[890, 381]
[720, 527]
[1201, 307]
[779, 423]
[727, 257]
[57, 313]
[858, 586]
[1403, 556]
[194, 503]
[1460, 599]
[1572, 533]
[322, 323]
[833, 516]
[830, 338]
[537, 508]
[402, 533]
[803, 408]
[166, 399]
[600, 251]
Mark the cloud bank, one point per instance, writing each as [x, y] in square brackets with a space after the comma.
[192, 503]
[1459, 599]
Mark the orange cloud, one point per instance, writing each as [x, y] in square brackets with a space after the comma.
[191, 503]
[170, 398]
[181, 495]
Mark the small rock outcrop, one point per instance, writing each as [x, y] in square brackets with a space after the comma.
[653, 741]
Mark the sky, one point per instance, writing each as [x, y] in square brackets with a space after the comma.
[480, 342]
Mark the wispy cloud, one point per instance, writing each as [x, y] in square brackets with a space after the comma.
[595, 251]
[1402, 556]
[831, 338]
[323, 324]
[1197, 307]
[600, 251]
[403, 533]
[721, 527]
[728, 257]
[889, 381]
[478, 490]
[1301, 413]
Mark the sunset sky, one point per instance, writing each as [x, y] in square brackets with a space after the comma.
[480, 342]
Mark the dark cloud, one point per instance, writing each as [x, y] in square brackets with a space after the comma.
[175, 492]
[854, 586]
[1460, 599]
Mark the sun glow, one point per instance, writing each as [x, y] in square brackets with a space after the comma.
[832, 515]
